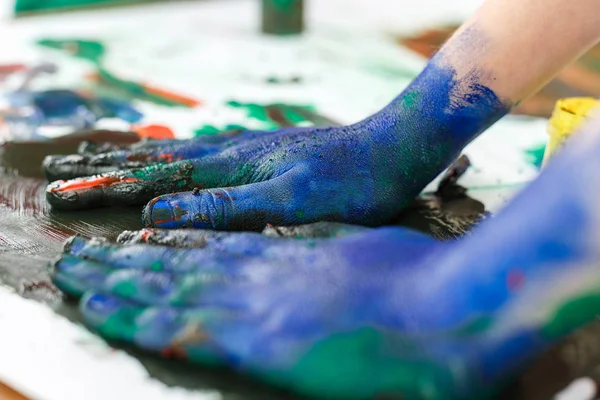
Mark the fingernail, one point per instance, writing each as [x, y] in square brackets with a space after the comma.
[74, 275]
[161, 213]
[68, 263]
[74, 244]
[78, 273]
[101, 305]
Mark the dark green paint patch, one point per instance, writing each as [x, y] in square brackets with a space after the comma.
[209, 130]
[535, 155]
[278, 115]
[572, 315]
[357, 365]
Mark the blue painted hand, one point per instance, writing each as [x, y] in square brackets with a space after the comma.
[370, 312]
[364, 173]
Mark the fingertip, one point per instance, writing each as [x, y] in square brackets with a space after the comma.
[99, 190]
[112, 316]
[74, 275]
[167, 212]
[74, 244]
[59, 167]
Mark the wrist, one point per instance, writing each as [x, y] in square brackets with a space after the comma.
[441, 111]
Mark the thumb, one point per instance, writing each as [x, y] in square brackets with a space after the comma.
[248, 207]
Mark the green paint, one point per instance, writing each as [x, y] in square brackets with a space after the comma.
[282, 17]
[573, 314]
[121, 325]
[293, 114]
[358, 364]
[125, 289]
[410, 98]
[85, 49]
[255, 111]
[94, 52]
[535, 155]
[285, 5]
[156, 266]
[209, 130]
[133, 88]
[22, 6]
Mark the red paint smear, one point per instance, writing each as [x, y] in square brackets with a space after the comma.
[173, 352]
[166, 157]
[92, 183]
[515, 279]
[147, 234]
[11, 68]
[154, 131]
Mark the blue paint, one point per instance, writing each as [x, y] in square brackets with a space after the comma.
[419, 295]
[246, 297]
[364, 173]
[377, 311]
[29, 111]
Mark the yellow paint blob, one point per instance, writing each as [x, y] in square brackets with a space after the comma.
[567, 116]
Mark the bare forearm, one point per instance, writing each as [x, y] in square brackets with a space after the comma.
[521, 44]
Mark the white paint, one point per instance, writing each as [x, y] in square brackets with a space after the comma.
[46, 357]
[581, 389]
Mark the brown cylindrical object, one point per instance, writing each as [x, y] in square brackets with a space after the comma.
[282, 17]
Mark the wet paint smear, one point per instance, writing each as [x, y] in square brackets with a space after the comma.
[95, 51]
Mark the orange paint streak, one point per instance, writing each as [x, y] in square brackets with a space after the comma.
[179, 98]
[91, 183]
[94, 76]
[154, 131]
[166, 157]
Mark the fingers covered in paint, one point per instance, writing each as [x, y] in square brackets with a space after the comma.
[138, 186]
[199, 238]
[159, 274]
[187, 286]
[248, 207]
[171, 331]
[94, 159]
[316, 230]
[219, 257]
[185, 238]
[74, 166]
